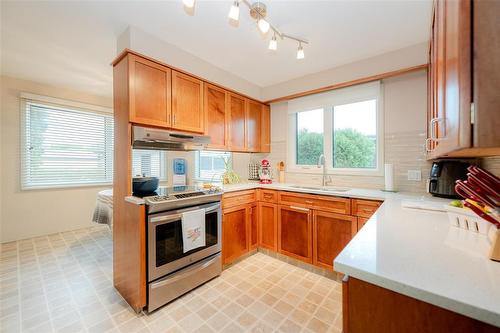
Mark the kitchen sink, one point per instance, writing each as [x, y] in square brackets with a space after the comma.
[322, 188]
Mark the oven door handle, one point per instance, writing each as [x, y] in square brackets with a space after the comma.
[175, 217]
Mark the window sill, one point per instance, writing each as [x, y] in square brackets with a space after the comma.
[336, 172]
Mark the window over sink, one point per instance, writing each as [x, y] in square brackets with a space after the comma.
[344, 125]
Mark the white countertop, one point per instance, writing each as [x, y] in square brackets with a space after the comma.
[417, 253]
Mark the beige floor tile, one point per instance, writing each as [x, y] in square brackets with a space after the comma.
[63, 283]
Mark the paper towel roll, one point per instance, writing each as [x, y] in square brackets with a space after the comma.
[389, 177]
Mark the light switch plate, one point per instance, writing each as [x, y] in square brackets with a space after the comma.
[415, 175]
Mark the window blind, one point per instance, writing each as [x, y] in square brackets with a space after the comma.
[150, 163]
[65, 146]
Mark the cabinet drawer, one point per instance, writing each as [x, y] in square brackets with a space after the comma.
[267, 195]
[364, 208]
[319, 202]
[238, 198]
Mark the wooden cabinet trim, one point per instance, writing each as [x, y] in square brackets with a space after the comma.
[314, 201]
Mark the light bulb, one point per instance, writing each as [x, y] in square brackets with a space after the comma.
[300, 52]
[189, 3]
[234, 12]
[273, 44]
[263, 25]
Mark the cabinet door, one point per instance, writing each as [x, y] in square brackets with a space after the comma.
[268, 226]
[187, 103]
[449, 126]
[216, 106]
[237, 127]
[234, 233]
[253, 226]
[253, 123]
[331, 233]
[150, 92]
[295, 232]
[265, 143]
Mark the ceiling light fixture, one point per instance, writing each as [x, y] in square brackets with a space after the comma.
[258, 11]
[300, 52]
[189, 3]
[273, 43]
[234, 12]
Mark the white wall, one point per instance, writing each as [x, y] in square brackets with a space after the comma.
[403, 58]
[151, 46]
[31, 213]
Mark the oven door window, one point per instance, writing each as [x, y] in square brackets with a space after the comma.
[169, 239]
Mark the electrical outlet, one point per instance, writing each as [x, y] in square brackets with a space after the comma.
[415, 175]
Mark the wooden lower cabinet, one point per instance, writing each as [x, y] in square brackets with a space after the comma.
[253, 225]
[361, 222]
[370, 308]
[268, 226]
[295, 232]
[331, 233]
[235, 241]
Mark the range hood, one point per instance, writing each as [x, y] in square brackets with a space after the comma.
[157, 139]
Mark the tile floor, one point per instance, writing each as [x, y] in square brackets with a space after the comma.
[63, 283]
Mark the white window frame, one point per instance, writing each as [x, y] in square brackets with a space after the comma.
[197, 166]
[162, 166]
[327, 101]
[57, 104]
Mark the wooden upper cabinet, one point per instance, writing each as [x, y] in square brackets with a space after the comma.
[217, 116]
[268, 226]
[265, 138]
[295, 232]
[463, 71]
[331, 233]
[235, 242]
[237, 127]
[150, 92]
[187, 103]
[253, 125]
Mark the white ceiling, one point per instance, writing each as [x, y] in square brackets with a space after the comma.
[72, 43]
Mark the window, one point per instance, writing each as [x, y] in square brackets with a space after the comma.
[355, 135]
[309, 136]
[150, 163]
[65, 145]
[345, 125]
[210, 165]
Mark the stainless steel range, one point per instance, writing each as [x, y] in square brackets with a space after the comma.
[174, 267]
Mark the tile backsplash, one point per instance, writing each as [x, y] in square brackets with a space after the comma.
[405, 150]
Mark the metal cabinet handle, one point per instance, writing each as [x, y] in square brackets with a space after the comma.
[300, 208]
[433, 131]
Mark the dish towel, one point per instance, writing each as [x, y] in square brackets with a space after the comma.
[193, 229]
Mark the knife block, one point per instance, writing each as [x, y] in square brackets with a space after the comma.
[495, 244]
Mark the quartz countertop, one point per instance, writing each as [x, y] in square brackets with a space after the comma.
[415, 252]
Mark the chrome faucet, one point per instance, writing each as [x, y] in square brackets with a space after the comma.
[322, 162]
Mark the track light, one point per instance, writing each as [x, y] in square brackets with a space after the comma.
[234, 12]
[189, 3]
[273, 43]
[263, 25]
[300, 52]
